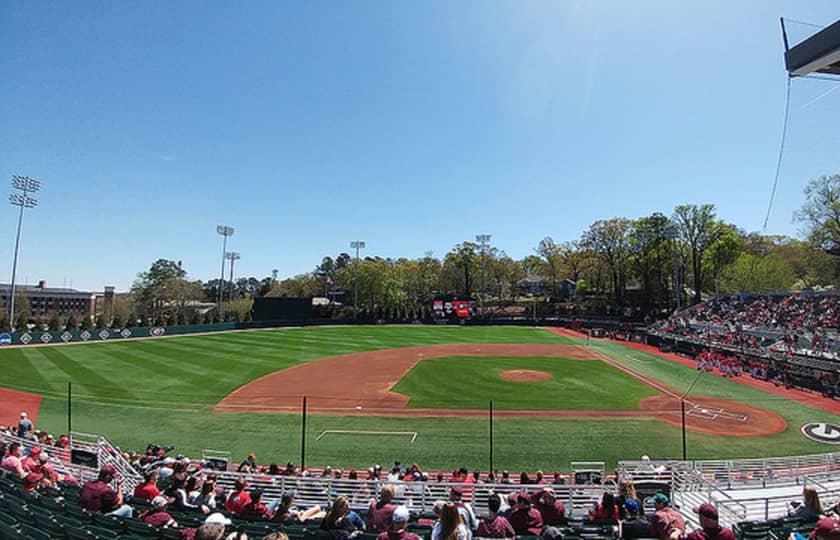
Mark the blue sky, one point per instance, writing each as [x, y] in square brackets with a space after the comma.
[410, 125]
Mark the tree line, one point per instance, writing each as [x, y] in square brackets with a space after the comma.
[615, 264]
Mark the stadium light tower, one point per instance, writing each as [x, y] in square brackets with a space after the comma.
[26, 186]
[232, 256]
[483, 243]
[225, 231]
[357, 245]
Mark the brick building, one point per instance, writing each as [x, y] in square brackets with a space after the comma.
[45, 301]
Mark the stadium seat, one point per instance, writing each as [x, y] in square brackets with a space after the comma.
[11, 533]
[34, 533]
[103, 534]
[138, 528]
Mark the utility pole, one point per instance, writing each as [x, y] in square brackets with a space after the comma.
[25, 185]
[357, 245]
[225, 231]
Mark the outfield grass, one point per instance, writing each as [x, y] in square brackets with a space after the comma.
[470, 382]
[163, 390]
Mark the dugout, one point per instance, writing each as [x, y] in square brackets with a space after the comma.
[281, 309]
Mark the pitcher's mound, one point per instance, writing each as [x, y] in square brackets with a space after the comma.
[525, 375]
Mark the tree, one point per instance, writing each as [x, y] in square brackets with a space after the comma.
[22, 323]
[100, 322]
[723, 251]
[162, 283]
[651, 256]
[459, 268]
[551, 254]
[757, 273]
[609, 241]
[820, 215]
[117, 322]
[5, 326]
[86, 323]
[196, 318]
[54, 323]
[22, 304]
[697, 228]
[72, 325]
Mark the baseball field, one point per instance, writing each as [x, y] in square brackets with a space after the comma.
[416, 393]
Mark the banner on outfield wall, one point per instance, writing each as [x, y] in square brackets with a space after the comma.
[107, 334]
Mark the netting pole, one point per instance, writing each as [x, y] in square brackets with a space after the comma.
[682, 409]
[491, 436]
[303, 436]
[69, 407]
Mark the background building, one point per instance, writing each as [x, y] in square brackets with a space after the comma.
[44, 301]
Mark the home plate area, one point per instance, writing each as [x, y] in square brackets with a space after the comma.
[707, 412]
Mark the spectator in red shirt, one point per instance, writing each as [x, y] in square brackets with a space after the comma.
[494, 525]
[666, 523]
[238, 498]
[399, 526]
[552, 511]
[12, 461]
[30, 463]
[157, 516]
[711, 529]
[607, 511]
[148, 490]
[380, 512]
[98, 497]
[255, 509]
[523, 518]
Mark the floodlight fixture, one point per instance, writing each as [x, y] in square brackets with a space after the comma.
[25, 185]
[358, 245]
[225, 231]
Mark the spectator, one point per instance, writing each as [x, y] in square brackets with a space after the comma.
[399, 526]
[450, 526]
[627, 492]
[148, 490]
[97, 496]
[286, 512]
[210, 531]
[25, 426]
[249, 464]
[255, 509]
[379, 512]
[178, 491]
[32, 481]
[276, 536]
[523, 518]
[494, 525]
[606, 511]
[826, 529]
[340, 517]
[667, 523]
[711, 529]
[12, 461]
[811, 508]
[31, 463]
[238, 498]
[552, 511]
[456, 496]
[206, 496]
[157, 515]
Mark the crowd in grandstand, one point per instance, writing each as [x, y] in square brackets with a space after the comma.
[793, 323]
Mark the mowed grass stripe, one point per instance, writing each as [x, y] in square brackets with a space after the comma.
[105, 379]
[463, 382]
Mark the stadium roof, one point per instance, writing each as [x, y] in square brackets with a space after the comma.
[819, 53]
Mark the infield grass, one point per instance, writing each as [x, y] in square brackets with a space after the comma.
[470, 382]
[163, 390]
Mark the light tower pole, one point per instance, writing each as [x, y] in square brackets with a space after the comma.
[232, 256]
[25, 185]
[671, 234]
[483, 243]
[225, 231]
[357, 245]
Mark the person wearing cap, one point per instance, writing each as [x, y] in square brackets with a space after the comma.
[711, 529]
[399, 527]
[97, 496]
[30, 463]
[32, 481]
[626, 493]
[157, 516]
[634, 524]
[523, 517]
[666, 523]
[380, 512]
[827, 528]
[148, 490]
[25, 426]
[494, 525]
[552, 511]
[456, 495]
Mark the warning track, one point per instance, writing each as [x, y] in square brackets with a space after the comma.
[360, 384]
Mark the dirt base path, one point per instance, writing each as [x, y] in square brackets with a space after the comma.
[13, 402]
[360, 385]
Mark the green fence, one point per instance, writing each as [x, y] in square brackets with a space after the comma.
[108, 334]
